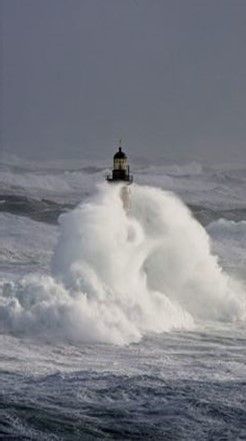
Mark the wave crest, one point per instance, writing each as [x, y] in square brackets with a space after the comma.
[118, 276]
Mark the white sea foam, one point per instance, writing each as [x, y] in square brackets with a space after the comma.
[39, 185]
[24, 240]
[118, 276]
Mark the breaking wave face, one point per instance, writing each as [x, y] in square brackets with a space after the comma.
[117, 276]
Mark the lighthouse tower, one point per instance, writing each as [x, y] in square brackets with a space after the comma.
[121, 169]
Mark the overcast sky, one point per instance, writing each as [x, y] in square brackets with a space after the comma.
[167, 75]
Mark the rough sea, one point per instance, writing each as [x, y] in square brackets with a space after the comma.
[122, 325]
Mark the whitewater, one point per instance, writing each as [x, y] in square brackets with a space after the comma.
[120, 324]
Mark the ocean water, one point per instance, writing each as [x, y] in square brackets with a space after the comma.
[122, 324]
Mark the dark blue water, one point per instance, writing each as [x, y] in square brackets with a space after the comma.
[172, 387]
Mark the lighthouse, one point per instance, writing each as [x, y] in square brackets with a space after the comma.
[121, 175]
[121, 169]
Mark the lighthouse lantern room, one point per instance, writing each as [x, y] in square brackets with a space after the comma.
[121, 169]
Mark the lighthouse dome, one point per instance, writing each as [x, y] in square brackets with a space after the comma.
[120, 154]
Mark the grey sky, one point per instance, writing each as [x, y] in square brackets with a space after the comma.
[167, 75]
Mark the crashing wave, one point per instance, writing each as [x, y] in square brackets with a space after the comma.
[118, 276]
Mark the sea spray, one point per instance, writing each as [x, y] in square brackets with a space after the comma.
[117, 276]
